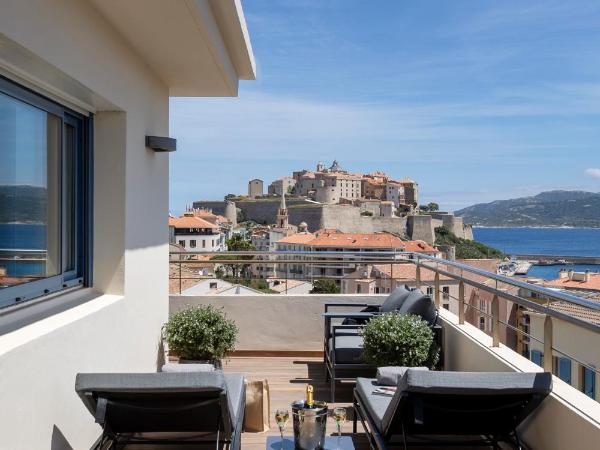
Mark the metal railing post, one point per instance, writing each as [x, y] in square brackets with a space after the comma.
[436, 284]
[418, 276]
[461, 302]
[495, 322]
[548, 344]
[180, 274]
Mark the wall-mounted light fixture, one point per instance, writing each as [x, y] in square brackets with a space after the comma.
[161, 144]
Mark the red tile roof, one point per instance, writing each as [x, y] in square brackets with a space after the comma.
[592, 285]
[407, 272]
[190, 222]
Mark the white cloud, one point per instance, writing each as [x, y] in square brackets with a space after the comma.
[593, 172]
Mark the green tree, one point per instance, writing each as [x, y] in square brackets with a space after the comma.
[230, 197]
[433, 206]
[237, 243]
[291, 189]
[324, 286]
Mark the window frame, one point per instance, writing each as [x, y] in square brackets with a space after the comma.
[81, 274]
[588, 390]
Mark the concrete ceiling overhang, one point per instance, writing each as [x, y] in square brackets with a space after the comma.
[197, 47]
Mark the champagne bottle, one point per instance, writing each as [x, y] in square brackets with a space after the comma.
[309, 396]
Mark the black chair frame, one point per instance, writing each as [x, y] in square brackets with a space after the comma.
[423, 435]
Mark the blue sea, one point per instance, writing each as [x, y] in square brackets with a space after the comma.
[544, 241]
[23, 237]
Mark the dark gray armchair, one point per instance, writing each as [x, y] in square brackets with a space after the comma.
[203, 409]
[343, 343]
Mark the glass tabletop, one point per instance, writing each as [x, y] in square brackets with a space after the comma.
[274, 443]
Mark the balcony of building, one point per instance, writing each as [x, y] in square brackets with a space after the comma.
[281, 340]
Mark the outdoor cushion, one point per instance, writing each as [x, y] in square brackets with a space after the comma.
[475, 383]
[420, 305]
[391, 375]
[235, 394]
[348, 349]
[395, 300]
[164, 386]
[375, 404]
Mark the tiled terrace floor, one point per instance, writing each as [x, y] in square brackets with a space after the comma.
[287, 379]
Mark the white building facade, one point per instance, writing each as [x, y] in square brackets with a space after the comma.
[100, 73]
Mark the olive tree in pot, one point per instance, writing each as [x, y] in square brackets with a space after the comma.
[200, 334]
[399, 340]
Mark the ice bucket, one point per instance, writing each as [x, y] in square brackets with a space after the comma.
[309, 425]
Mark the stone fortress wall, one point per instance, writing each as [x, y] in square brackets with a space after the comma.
[343, 217]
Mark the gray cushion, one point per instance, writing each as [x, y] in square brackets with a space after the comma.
[391, 375]
[395, 300]
[420, 305]
[235, 394]
[174, 367]
[150, 382]
[348, 349]
[212, 383]
[475, 383]
[376, 405]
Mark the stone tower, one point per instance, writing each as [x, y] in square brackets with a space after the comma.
[282, 214]
[231, 213]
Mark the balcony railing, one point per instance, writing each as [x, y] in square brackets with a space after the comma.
[520, 296]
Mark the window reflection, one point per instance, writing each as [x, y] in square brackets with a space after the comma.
[30, 192]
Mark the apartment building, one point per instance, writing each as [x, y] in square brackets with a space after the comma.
[394, 192]
[329, 240]
[197, 234]
[580, 343]
[384, 278]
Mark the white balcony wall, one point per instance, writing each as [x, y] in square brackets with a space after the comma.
[279, 323]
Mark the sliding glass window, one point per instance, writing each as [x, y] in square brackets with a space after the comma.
[44, 196]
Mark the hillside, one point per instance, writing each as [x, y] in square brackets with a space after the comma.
[466, 248]
[26, 204]
[547, 209]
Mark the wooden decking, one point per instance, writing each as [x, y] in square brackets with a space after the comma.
[288, 377]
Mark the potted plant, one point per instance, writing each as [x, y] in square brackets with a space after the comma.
[399, 340]
[200, 334]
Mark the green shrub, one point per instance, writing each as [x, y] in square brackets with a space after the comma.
[201, 332]
[325, 286]
[399, 340]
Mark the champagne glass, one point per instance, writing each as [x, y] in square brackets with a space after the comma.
[281, 417]
[339, 415]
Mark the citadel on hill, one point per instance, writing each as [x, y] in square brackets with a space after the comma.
[334, 198]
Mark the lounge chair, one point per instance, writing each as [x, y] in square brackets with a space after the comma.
[449, 408]
[343, 343]
[203, 409]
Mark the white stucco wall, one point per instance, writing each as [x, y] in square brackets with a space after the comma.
[571, 340]
[72, 51]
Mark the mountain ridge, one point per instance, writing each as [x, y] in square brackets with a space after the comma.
[557, 208]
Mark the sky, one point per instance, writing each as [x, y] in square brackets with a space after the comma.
[476, 101]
